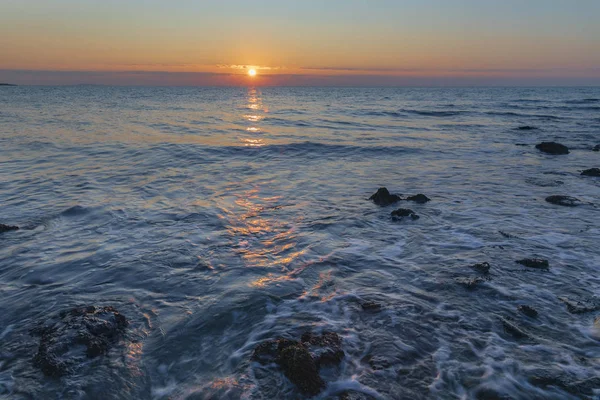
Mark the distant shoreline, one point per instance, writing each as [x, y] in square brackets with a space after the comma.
[7, 84]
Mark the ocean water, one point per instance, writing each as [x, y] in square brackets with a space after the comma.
[215, 219]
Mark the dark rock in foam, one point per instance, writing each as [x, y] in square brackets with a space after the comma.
[552, 148]
[77, 335]
[6, 228]
[371, 306]
[528, 310]
[591, 172]
[383, 197]
[537, 263]
[419, 198]
[301, 361]
[596, 148]
[581, 306]
[404, 212]
[566, 201]
[484, 267]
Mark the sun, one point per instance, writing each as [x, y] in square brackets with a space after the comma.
[252, 72]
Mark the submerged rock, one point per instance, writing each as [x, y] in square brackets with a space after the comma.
[470, 283]
[581, 306]
[419, 198]
[404, 212]
[6, 228]
[582, 388]
[513, 329]
[526, 128]
[596, 148]
[377, 363]
[353, 395]
[552, 148]
[301, 361]
[591, 172]
[484, 267]
[383, 197]
[566, 201]
[371, 306]
[528, 310]
[78, 334]
[538, 263]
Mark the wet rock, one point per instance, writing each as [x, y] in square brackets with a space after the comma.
[377, 363]
[566, 201]
[77, 335]
[591, 172]
[404, 212]
[325, 349]
[552, 148]
[383, 197]
[300, 368]
[596, 148]
[371, 306]
[419, 198]
[484, 267]
[534, 263]
[581, 306]
[528, 310]
[301, 361]
[526, 128]
[470, 283]
[513, 329]
[6, 228]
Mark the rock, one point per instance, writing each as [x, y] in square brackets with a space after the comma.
[325, 349]
[371, 306]
[377, 363]
[301, 361]
[77, 335]
[6, 228]
[534, 263]
[566, 201]
[526, 128]
[404, 212]
[596, 148]
[528, 310]
[383, 197]
[300, 368]
[512, 329]
[591, 172]
[470, 283]
[552, 148]
[484, 267]
[419, 198]
[581, 306]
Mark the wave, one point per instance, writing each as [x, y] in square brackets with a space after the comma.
[522, 115]
[406, 112]
[583, 101]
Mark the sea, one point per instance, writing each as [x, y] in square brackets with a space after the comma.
[215, 219]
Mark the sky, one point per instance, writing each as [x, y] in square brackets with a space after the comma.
[296, 43]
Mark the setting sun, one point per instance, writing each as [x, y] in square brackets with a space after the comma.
[252, 72]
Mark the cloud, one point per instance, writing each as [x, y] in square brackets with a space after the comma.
[242, 66]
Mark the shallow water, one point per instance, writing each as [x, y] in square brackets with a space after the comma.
[215, 219]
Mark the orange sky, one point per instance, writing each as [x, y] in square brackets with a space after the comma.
[395, 39]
